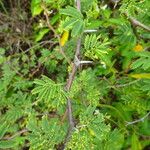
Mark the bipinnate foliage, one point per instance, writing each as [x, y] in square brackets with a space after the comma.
[82, 87]
[74, 20]
[45, 133]
[49, 92]
[110, 89]
[142, 62]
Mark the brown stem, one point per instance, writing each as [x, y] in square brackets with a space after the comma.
[16, 134]
[56, 35]
[69, 84]
[136, 23]
[78, 4]
[127, 84]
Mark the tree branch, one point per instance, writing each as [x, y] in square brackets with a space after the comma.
[78, 4]
[69, 84]
[46, 13]
[136, 23]
[123, 85]
[16, 134]
[127, 84]
[138, 120]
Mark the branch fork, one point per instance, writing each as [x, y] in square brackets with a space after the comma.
[77, 62]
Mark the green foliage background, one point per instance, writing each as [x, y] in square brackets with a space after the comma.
[107, 96]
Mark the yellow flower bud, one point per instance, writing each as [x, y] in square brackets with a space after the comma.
[138, 48]
[64, 38]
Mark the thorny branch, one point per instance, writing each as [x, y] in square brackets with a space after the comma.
[69, 84]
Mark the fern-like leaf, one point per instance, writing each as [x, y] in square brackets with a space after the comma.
[50, 92]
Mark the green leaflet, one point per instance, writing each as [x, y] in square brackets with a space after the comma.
[91, 124]
[97, 48]
[69, 22]
[46, 133]
[78, 28]
[99, 134]
[3, 129]
[114, 140]
[82, 87]
[74, 20]
[41, 34]
[125, 35]
[72, 12]
[36, 8]
[8, 144]
[143, 61]
[50, 92]
[135, 143]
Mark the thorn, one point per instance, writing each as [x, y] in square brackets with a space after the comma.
[90, 31]
[77, 62]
